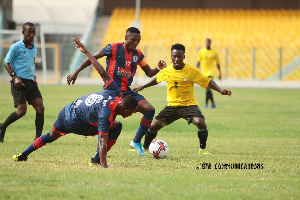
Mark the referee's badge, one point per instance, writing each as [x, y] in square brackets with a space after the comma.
[185, 79]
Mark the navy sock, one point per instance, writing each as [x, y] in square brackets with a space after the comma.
[38, 143]
[144, 125]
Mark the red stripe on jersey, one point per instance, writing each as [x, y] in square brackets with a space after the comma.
[113, 104]
[102, 133]
[95, 124]
[128, 63]
[112, 60]
[141, 102]
[107, 84]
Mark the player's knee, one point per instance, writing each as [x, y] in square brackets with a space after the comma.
[156, 125]
[199, 122]
[40, 109]
[149, 114]
[21, 111]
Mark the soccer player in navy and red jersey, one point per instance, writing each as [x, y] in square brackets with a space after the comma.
[90, 115]
[122, 60]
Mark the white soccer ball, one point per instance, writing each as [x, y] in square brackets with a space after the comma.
[159, 149]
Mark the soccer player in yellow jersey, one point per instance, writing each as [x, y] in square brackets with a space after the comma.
[206, 60]
[180, 78]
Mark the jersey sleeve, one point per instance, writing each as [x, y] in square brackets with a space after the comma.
[10, 56]
[161, 76]
[200, 78]
[107, 51]
[103, 125]
[142, 63]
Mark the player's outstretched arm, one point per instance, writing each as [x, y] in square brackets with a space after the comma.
[149, 84]
[104, 75]
[152, 72]
[219, 68]
[215, 87]
[73, 76]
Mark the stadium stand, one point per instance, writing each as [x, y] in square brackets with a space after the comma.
[266, 36]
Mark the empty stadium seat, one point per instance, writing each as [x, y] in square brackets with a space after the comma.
[238, 30]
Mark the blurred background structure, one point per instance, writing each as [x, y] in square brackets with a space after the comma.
[255, 39]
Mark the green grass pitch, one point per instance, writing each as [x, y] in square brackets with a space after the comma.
[253, 126]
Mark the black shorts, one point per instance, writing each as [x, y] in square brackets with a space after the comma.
[172, 113]
[28, 92]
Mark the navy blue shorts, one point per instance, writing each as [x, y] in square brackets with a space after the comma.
[64, 127]
[137, 96]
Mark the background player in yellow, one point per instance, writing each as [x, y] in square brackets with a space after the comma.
[180, 78]
[206, 60]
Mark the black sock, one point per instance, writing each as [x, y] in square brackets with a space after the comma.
[212, 98]
[39, 124]
[149, 136]
[11, 119]
[207, 97]
[202, 135]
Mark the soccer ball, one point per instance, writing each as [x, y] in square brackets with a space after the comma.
[159, 149]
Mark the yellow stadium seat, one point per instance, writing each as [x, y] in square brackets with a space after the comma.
[239, 30]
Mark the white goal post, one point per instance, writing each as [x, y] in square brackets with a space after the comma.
[44, 74]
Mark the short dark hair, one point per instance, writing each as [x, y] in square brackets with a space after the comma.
[133, 30]
[28, 24]
[130, 102]
[178, 47]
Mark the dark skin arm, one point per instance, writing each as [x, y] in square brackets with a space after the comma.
[198, 65]
[152, 72]
[149, 84]
[219, 68]
[73, 76]
[215, 87]
[18, 82]
[100, 69]
[103, 150]
[212, 85]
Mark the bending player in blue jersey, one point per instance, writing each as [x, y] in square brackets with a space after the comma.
[90, 115]
[122, 60]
